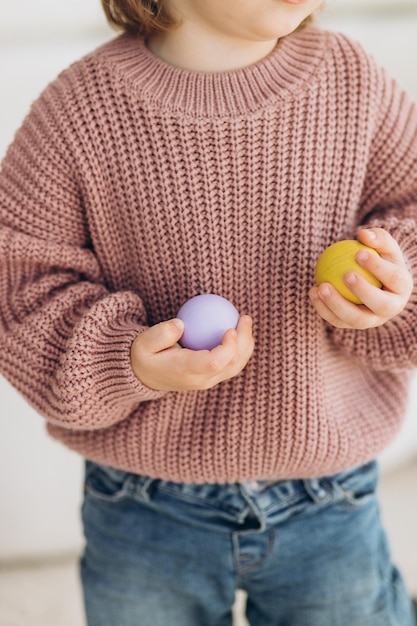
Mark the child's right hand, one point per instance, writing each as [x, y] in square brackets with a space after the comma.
[160, 363]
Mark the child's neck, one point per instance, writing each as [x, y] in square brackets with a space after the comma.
[193, 51]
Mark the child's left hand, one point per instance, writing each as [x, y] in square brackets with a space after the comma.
[379, 305]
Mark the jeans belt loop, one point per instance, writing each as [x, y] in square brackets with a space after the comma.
[143, 487]
[321, 490]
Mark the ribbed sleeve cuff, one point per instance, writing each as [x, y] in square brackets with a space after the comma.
[96, 386]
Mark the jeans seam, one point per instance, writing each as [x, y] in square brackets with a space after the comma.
[247, 569]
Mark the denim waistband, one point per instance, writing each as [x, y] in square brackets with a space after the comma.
[253, 503]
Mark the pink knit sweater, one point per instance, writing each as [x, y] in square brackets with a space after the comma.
[134, 185]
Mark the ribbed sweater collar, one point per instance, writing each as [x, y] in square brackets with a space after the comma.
[285, 70]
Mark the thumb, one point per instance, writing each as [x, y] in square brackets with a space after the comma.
[162, 336]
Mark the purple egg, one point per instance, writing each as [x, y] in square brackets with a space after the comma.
[206, 318]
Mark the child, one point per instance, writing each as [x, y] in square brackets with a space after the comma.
[218, 146]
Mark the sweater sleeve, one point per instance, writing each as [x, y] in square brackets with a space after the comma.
[64, 337]
[389, 201]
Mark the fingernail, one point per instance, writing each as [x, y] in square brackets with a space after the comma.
[350, 278]
[362, 255]
[371, 234]
[325, 292]
[179, 323]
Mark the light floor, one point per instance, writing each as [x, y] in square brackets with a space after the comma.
[48, 594]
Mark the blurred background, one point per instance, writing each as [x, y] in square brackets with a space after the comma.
[40, 481]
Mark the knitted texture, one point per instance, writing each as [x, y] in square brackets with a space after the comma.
[133, 185]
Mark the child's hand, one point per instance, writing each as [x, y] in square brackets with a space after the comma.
[379, 305]
[160, 363]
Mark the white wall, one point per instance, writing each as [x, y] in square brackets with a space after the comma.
[40, 481]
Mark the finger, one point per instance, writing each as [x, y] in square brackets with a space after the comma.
[240, 340]
[318, 299]
[161, 336]
[392, 298]
[217, 359]
[392, 272]
[383, 303]
[393, 276]
[338, 311]
[245, 325]
[383, 243]
[245, 338]
[244, 346]
[233, 353]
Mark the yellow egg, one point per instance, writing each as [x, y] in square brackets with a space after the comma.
[336, 261]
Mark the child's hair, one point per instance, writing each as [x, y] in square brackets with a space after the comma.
[145, 17]
[142, 17]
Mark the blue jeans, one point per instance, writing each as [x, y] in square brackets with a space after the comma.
[307, 552]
